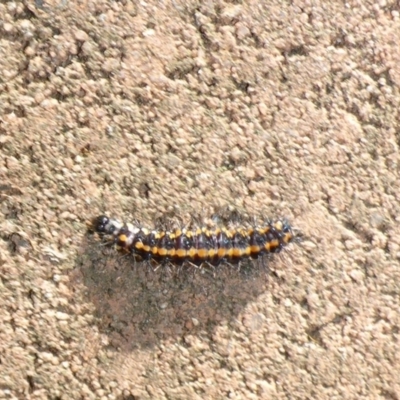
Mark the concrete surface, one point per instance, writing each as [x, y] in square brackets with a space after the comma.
[142, 109]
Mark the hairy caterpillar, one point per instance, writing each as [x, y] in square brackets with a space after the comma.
[195, 246]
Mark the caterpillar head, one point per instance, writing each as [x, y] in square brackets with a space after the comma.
[104, 225]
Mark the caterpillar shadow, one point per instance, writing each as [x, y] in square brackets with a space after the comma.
[137, 306]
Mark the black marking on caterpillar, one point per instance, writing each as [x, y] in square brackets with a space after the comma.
[196, 246]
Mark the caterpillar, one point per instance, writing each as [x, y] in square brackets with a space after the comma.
[195, 246]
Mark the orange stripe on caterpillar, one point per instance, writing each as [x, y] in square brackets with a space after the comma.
[196, 246]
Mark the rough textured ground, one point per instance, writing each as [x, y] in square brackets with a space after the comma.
[183, 107]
